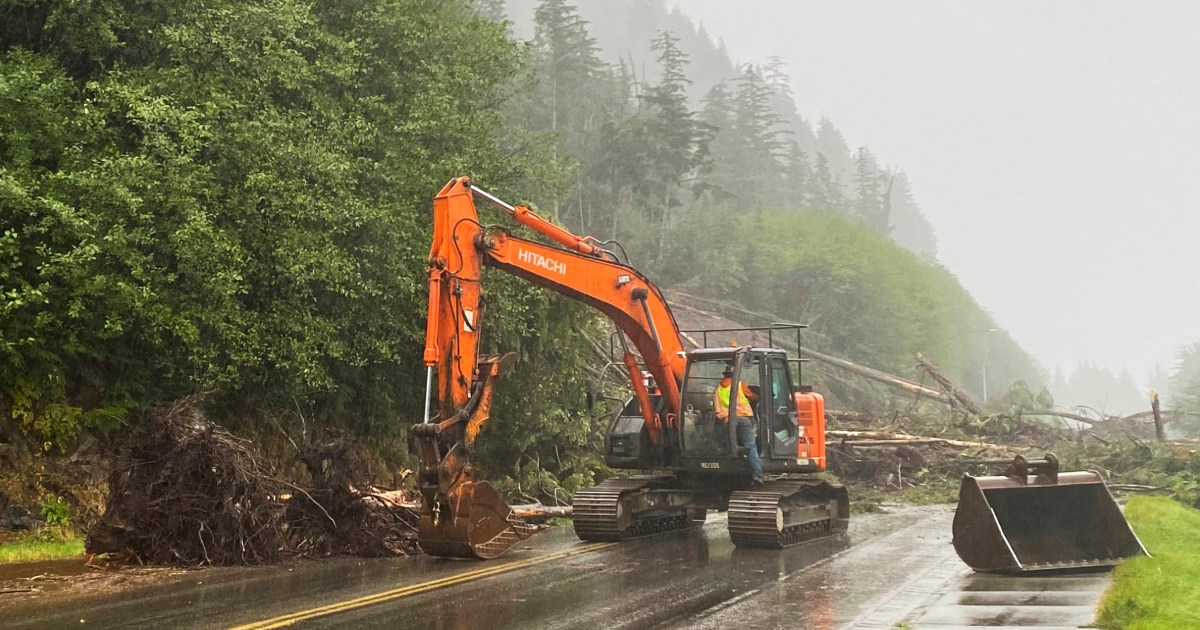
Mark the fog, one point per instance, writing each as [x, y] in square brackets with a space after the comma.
[1051, 144]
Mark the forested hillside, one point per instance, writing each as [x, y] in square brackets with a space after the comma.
[621, 29]
[234, 197]
[715, 183]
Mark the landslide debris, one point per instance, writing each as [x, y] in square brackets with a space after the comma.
[187, 492]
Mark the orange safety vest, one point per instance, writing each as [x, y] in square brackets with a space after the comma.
[722, 400]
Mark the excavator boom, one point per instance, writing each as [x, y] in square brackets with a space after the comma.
[463, 516]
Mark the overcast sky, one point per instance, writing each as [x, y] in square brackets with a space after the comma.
[1053, 144]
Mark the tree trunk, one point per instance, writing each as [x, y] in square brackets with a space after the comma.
[1158, 423]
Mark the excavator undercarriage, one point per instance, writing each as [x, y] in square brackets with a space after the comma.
[631, 507]
[781, 513]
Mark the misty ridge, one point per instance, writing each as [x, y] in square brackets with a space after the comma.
[805, 165]
[248, 214]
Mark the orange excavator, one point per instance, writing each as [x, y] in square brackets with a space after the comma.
[670, 424]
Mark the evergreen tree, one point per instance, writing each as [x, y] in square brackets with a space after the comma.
[580, 100]
[1185, 391]
[748, 148]
[1159, 380]
[831, 143]
[717, 116]
[758, 131]
[910, 228]
[678, 140]
[826, 192]
[798, 178]
[871, 189]
[568, 72]
[783, 101]
[1100, 388]
[493, 10]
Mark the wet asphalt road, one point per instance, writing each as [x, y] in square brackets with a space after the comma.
[695, 579]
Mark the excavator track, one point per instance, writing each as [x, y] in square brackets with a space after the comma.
[786, 512]
[604, 512]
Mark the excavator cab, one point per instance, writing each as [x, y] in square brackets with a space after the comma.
[788, 419]
[709, 443]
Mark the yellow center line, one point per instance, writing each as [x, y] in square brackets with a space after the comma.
[416, 589]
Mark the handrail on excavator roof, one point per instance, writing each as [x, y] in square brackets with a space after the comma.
[770, 330]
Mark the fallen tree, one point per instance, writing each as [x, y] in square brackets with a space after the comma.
[956, 397]
[873, 374]
[862, 438]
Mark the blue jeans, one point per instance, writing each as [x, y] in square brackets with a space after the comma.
[747, 438]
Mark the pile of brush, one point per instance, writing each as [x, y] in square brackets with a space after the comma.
[187, 492]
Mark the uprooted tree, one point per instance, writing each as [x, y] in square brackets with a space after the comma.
[188, 492]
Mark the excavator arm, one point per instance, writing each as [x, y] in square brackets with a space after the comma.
[462, 516]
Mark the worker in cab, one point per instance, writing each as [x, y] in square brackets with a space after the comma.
[746, 429]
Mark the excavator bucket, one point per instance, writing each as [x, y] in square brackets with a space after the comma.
[475, 522]
[462, 517]
[1035, 518]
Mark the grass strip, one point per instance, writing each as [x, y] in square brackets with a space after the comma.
[33, 550]
[1161, 592]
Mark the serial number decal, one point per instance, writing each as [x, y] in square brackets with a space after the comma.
[709, 465]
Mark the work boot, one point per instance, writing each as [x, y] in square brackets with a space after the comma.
[756, 484]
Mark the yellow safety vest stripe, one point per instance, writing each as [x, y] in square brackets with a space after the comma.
[743, 404]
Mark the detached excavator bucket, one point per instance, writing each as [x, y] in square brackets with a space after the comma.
[474, 523]
[1036, 519]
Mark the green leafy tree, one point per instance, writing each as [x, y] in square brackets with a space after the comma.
[234, 196]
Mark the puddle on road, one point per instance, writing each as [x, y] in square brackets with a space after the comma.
[1063, 600]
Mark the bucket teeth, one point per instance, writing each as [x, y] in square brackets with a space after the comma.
[476, 523]
[517, 531]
